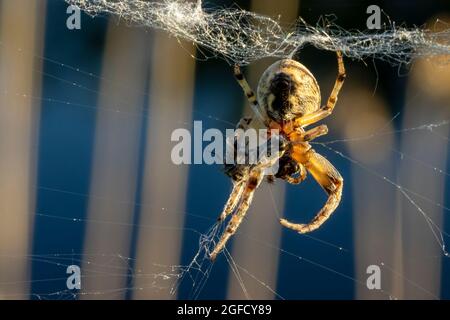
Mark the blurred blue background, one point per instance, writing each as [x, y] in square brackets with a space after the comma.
[77, 203]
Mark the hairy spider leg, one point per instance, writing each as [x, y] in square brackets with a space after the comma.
[249, 93]
[327, 109]
[329, 179]
[252, 183]
[315, 132]
[235, 196]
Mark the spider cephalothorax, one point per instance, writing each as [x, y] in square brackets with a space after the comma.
[289, 101]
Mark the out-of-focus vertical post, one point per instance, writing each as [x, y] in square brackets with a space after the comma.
[262, 260]
[115, 162]
[21, 39]
[164, 183]
[427, 100]
[373, 200]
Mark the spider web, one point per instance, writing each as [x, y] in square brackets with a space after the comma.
[242, 37]
[198, 271]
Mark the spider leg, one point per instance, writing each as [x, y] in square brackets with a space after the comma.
[236, 170]
[247, 197]
[315, 132]
[249, 93]
[233, 200]
[244, 123]
[327, 109]
[331, 181]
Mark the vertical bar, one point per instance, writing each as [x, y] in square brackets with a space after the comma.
[374, 201]
[21, 38]
[164, 183]
[427, 101]
[115, 162]
[262, 215]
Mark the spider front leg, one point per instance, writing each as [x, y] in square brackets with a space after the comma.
[330, 180]
[327, 109]
[247, 197]
[249, 93]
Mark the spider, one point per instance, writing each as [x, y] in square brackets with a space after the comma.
[288, 99]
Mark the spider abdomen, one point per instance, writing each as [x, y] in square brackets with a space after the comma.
[288, 90]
